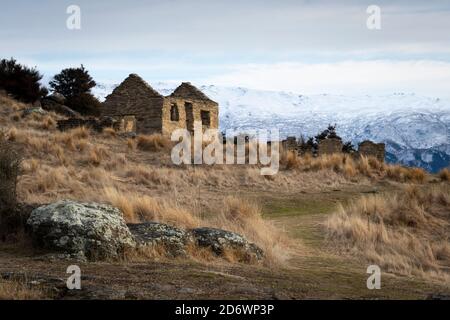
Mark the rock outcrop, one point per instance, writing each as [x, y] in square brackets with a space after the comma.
[55, 103]
[173, 240]
[220, 240]
[35, 110]
[90, 230]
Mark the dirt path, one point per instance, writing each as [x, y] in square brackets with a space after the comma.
[303, 218]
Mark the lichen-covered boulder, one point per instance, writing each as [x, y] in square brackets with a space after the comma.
[35, 110]
[173, 240]
[50, 104]
[220, 240]
[90, 230]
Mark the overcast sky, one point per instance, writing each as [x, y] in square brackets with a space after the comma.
[300, 46]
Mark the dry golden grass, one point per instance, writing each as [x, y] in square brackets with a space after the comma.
[86, 166]
[244, 216]
[403, 174]
[405, 233]
[48, 123]
[97, 154]
[238, 215]
[131, 144]
[109, 132]
[139, 208]
[153, 143]
[16, 290]
[349, 167]
[291, 160]
[444, 174]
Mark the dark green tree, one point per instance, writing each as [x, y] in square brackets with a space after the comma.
[75, 85]
[22, 82]
[348, 147]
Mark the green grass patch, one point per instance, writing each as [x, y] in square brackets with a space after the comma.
[297, 207]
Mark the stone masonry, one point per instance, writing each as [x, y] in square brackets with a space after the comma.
[329, 146]
[155, 113]
[370, 149]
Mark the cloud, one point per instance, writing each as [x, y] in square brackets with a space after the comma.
[244, 43]
[203, 26]
[363, 77]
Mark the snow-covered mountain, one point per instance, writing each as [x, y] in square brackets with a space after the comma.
[415, 129]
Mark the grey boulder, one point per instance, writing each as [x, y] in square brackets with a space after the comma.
[90, 230]
[152, 234]
[51, 104]
[220, 240]
[35, 110]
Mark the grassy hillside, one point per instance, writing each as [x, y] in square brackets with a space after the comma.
[286, 214]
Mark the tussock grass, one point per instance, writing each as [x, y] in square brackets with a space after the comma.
[140, 208]
[97, 154]
[244, 216]
[48, 123]
[406, 233]
[444, 174]
[109, 132]
[17, 290]
[153, 143]
[350, 167]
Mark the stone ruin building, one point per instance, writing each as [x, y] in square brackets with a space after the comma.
[139, 108]
[376, 150]
[330, 146]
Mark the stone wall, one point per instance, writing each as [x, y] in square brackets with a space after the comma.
[152, 111]
[290, 144]
[190, 111]
[97, 125]
[370, 149]
[329, 146]
[134, 97]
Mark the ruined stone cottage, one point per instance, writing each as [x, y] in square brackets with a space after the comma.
[366, 148]
[329, 146]
[370, 149]
[140, 108]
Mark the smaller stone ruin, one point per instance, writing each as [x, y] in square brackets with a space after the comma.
[329, 146]
[370, 149]
[290, 144]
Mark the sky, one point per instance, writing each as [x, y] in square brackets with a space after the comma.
[308, 47]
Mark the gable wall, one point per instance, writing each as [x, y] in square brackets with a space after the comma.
[169, 126]
[147, 110]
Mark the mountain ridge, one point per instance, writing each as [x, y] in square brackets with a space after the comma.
[416, 129]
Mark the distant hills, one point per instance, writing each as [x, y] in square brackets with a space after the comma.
[416, 129]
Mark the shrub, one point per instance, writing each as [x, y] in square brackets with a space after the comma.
[10, 160]
[444, 174]
[154, 142]
[416, 175]
[75, 85]
[21, 82]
